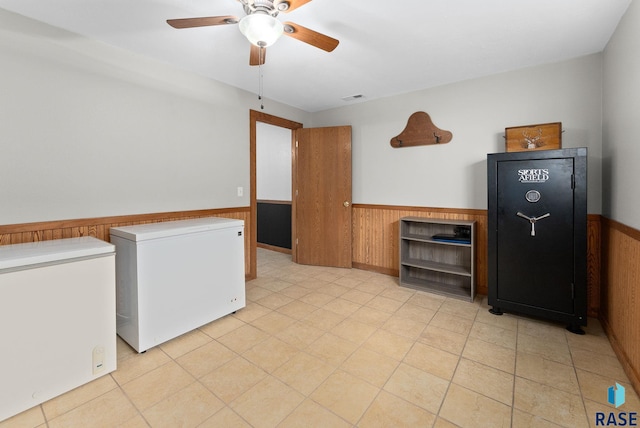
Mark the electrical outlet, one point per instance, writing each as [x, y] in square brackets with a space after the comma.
[240, 191]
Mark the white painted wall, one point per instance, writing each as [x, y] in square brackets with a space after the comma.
[621, 123]
[273, 162]
[88, 130]
[477, 111]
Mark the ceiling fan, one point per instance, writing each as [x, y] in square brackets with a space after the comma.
[261, 27]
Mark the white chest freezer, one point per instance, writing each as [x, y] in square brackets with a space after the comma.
[57, 319]
[173, 277]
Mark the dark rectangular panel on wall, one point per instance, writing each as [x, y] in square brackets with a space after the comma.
[274, 223]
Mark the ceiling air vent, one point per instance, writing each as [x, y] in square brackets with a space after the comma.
[353, 97]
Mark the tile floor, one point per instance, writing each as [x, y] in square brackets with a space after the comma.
[327, 347]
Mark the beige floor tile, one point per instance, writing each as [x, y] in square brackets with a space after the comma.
[594, 407]
[415, 386]
[459, 308]
[185, 343]
[323, 319]
[370, 316]
[443, 423]
[546, 372]
[345, 395]
[432, 360]
[370, 366]
[371, 287]
[267, 403]
[357, 296]
[304, 372]
[404, 327]
[270, 354]
[415, 313]
[342, 306]
[545, 330]
[225, 418]
[310, 413]
[205, 359]
[28, 419]
[313, 284]
[233, 379]
[317, 299]
[279, 285]
[78, 396]
[332, 349]
[274, 300]
[490, 355]
[334, 289]
[398, 293]
[136, 422]
[354, 331]
[592, 343]
[124, 350]
[602, 364]
[297, 309]
[109, 409]
[557, 406]
[387, 410]
[300, 334]
[492, 334]
[188, 407]
[485, 380]
[221, 326]
[251, 312]
[295, 291]
[452, 323]
[243, 338]
[139, 364]
[479, 410]
[389, 344]
[256, 293]
[443, 339]
[506, 321]
[550, 349]
[526, 420]
[427, 300]
[384, 304]
[349, 282]
[595, 387]
[273, 322]
[152, 387]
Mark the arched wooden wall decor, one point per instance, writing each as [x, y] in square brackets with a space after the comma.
[420, 131]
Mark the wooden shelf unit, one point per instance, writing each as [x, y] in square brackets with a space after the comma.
[441, 267]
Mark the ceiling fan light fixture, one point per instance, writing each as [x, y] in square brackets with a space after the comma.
[261, 29]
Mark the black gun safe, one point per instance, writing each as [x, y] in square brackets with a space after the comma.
[537, 234]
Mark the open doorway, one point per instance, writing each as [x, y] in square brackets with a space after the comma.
[274, 187]
[263, 118]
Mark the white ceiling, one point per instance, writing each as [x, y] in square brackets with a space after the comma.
[386, 47]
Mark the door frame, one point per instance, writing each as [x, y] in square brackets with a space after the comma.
[254, 117]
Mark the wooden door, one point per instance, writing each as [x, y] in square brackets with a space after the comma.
[322, 197]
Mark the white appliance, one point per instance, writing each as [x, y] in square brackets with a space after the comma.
[57, 319]
[173, 277]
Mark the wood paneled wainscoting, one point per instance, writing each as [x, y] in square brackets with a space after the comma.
[99, 227]
[375, 242]
[620, 296]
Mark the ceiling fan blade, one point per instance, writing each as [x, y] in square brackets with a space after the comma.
[202, 22]
[311, 37]
[291, 4]
[257, 55]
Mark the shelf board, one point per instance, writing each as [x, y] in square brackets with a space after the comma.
[438, 288]
[427, 239]
[437, 267]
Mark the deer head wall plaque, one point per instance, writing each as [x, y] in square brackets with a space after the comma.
[420, 131]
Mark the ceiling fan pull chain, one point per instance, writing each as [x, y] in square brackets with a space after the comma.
[260, 84]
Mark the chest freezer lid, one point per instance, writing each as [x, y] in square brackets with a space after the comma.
[56, 250]
[143, 232]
